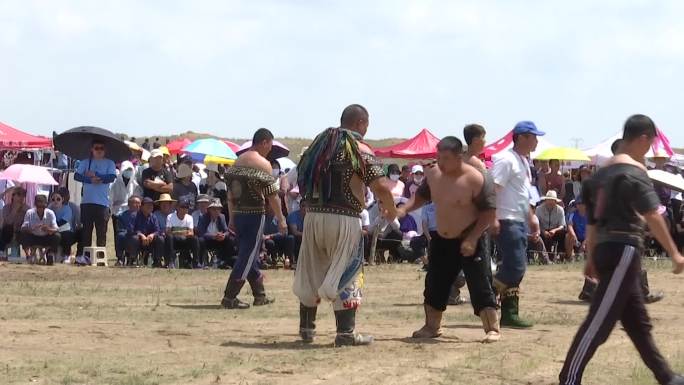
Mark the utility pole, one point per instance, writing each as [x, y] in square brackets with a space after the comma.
[577, 141]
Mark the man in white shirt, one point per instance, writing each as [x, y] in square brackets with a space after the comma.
[180, 235]
[512, 176]
[40, 229]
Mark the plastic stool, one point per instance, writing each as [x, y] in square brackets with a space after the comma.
[97, 255]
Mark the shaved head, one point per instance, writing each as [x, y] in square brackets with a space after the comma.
[352, 115]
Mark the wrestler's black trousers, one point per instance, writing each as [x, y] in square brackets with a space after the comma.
[446, 262]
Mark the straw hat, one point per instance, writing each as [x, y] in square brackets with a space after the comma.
[216, 203]
[165, 198]
[551, 195]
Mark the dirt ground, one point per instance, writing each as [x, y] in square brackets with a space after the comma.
[84, 325]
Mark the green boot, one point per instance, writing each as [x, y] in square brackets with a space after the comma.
[509, 310]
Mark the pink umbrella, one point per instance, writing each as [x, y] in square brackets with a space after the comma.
[233, 146]
[27, 173]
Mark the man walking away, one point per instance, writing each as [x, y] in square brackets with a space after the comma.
[618, 196]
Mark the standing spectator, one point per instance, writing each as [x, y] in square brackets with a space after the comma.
[212, 231]
[40, 229]
[180, 235]
[405, 174]
[183, 188]
[512, 175]
[396, 186]
[543, 171]
[143, 234]
[552, 221]
[554, 179]
[96, 173]
[13, 216]
[124, 187]
[156, 179]
[68, 217]
[156, 144]
[416, 179]
[123, 230]
[146, 144]
[295, 222]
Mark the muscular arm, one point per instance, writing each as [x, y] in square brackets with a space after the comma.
[382, 192]
[274, 201]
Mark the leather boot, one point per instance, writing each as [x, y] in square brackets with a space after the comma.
[230, 300]
[433, 324]
[259, 292]
[307, 323]
[587, 290]
[346, 336]
[490, 322]
[676, 380]
[510, 303]
[649, 296]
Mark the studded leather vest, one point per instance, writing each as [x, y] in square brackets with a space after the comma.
[337, 187]
[249, 188]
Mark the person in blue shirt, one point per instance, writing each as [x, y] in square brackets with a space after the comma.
[295, 223]
[68, 217]
[123, 228]
[577, 228]
[96, 173]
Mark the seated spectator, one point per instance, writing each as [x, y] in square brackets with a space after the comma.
[124, 187]
[68, 220]
[39, 229]
[201, 206]
[390, 235]
[180, 236]
[275, 242]
[577, 229]
[213, 234]
[184, 188]
[165, 207]
[123, 226]
[534, 241]
[295, 223]
[13, 216]
[551, 221]
[144, 235]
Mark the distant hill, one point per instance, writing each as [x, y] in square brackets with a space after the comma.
[294, 144]
[679, 150]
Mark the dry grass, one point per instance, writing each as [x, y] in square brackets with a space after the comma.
[69, 325]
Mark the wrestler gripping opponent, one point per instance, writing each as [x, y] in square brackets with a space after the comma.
[250, 184]
[333, 175]
[465, 205]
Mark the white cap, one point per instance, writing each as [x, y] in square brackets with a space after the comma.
[416, 168]
[155, 153]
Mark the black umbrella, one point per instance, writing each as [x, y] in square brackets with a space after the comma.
[76, 143]
[278, 150]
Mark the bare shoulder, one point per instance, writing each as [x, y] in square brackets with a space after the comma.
[473, 174]
[475, 162]
[254, 160]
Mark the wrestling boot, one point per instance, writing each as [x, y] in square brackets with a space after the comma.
[259, 292]
[433, 324]
[676, 380]
[490, 322]
[649, 296]
[346, 336]
[230, 299]
[587, 290]
[307, 323]
[510, 303]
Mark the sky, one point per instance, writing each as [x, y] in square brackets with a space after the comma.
[577, 69]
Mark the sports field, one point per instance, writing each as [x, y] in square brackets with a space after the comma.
[82, 325]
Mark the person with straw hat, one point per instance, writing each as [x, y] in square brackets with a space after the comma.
[213, 233]
[552, 221]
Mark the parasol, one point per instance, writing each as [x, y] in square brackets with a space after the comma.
[563, 153]
[76, 143]
[28, 173]
[279, 150]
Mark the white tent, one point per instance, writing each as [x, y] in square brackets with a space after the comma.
[601, 152]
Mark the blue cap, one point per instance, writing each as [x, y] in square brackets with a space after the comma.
[527, 127]
[147, 200]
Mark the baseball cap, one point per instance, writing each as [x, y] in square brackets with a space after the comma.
[184, 204]
[156, 153]
[527, 127]
[203, 198]
[416, 168]
[147, 200]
